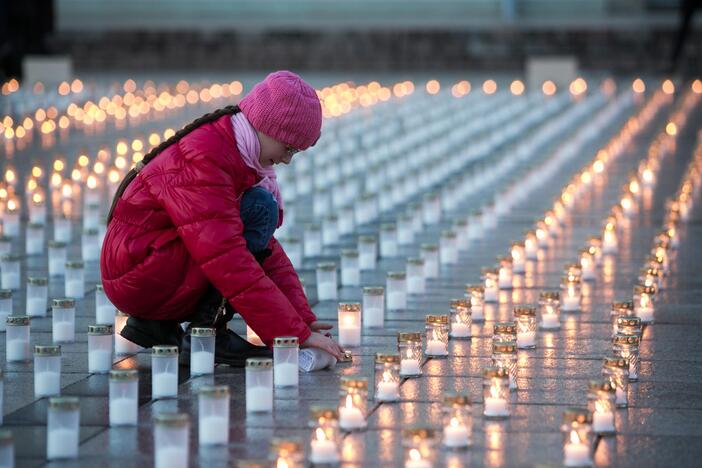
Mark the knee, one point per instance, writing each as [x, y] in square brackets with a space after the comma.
[259, 214]
[258, 199]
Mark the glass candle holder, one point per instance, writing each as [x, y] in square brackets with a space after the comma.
[34, 240]
[627, 347]
[616, 370]
[531, 246]
[448, 247]
[164, 372]
[476, 295]
[549, 307]
[387, 377]
[325, 437]
[347, 223]
[643, 303]
[11, 222]
[601, 404]
[330, 229]
[571, 294]
[259, 385]
[10, 271]
[518, 253]
[628, 325]
[293, 247]
[414, 269]
[5, 307]
[286, 453]
[367, 252]
[396, 288]
[57, 258]
[171, 440]
[388, 240]
[587, 265]
[326, 281]
[62, 229]
[490, 289]
[620, 309]
[286, 350]
[7, 449]
[90, 245]
[542, 235]
[409, 345]
[213, 415]
[457, 421]
[651, 277]
[496, 393]
[504, 273]
[312, 240]
[430, 254]
[405, 229]
[202, 351]
[104, 309]
[504, 356]
[573, 271]
[75, 280]
[419, 446]
[504, 331]
[437, 330]
[525, 318]
[47, 371]
[577, 437]
[349, 314]
[353, 403]
[100, 348]
[609, 239]
[122, 345]
[63, 320]
[17, 339]
[124, 397]
[595, 249]
[350, 271]
[37, 296]
[373, 307]
[63, 418]
[460, 319]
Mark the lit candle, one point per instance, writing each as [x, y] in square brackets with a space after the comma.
[518, 257]
[496, 406]
[505, 279]
[349, 324]
[495, 392]
[351, 417]
[609, 239]
[415, 460]
[587, 265]
[410, 348]
[490, 289]
[576, 453]
[455, 434]
[457, 418]
[526, 326]
[388, 389]
[643, 305]
[531, 249]
[460, 318]
[323, 450]
[570, 297]
[476, 296]
[549, 304]
[437, 335]
[252, 337]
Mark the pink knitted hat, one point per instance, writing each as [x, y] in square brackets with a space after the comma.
[286, 108]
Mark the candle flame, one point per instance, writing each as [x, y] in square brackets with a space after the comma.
[435, 335]
[349, 402]
[348, 319]
[415, 455]
[281, 463]
[92, 182]
[494, 391]
[37, 198]
[11, 205]
[600, 407]
[574, 437]
[454, 422]
[320, 434]
[387, 377]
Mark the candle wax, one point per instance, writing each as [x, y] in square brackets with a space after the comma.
[645, 314]
[33, 245]
[75, 289]
[387, 391]
[505, 281]
[589, 273]
[550, 321]
[47, 383]
[577, 454]
[259, 399]
[165, 384]
[571, 303]
[410, 367]
[496, 407]
[526, 339]
[123, 411]
[90, 252]
[351, 418]
[397, 300]
[456, 436]
[431, 268]
[99, 361]
[62, 443]
[373, 317]
[36, 306]
[415, 285]
[621, 396]
[460, 330]
[63, 332]
[349, 335]
[603, 422]
[17, 350]
[105, 315]
[490, 295]
[213, 430]
[286, 374]
[350, 277]
[171, 457]
[323, 451]
[201, 362]
[326, 291]
[449, 255]
[10, 280]
[436, 348]
[518, 266]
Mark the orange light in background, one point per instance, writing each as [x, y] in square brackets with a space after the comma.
[37, 172]
[59, 165]
[236, 87]
[113, 176]
[169, 132]
[697, 87]
[578, 86]
[671, 129]
[548, 88]
[64, 88]
[129, 86]
[668, 87]
[76, 86]
[489, 86]
[516, 88]
[83, 160]
[137, 145]
[154, 139]
[433, 86]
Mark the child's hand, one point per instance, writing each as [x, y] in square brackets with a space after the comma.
[317, 326]
[325, 343]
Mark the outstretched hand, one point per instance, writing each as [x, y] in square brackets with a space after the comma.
[325, 343]
[317, 326]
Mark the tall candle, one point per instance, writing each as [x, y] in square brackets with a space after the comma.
[62, 443]
[47, 383]
[603, 421]
[259, 399]
[456, 434]
[10, 280]
[213, 430]
[99, 360]
[202, 362]
[372, 317]
[123, 411]
[621, 396]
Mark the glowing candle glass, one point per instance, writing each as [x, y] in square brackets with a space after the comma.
[549, 307]
[387, 377]
[619, 309]
[601, 404]
[461, 320]
[11, 221]
[164, 372]
[124, 397]
[457, 421]
[34, 240]
[496, 403]
[57, 258]
[475, 293]
[525, 319]
[47, 371]
[616, 370]
[490, 284]
[504, 356]
[437, 331]
[171, 440]
[122, 345]
[419, 447]
[571, 293]
[259, 385]
[504, 273]
[62, 428]
[325, 437]
[519, 257]
[609, 239]
[10, 271]
[531, 246]
[504, 331]
[37, 296]
[587, 265]
[627, 347]
[416, 283]
[100, 349]
[542, 235]
[643, 303]
[326, 281]
[213, 415]
[17, 338]
[396, 290]
[373, 307]
[75, 279]
[286, 453]
[577, 437]
[350, 271]
[628, 325]
[409, 345]
[595, 248]
[349, 315]
[430, 254]
[63, 320]
[202, 350]
[5, 307]
[353, 403]
[367, 252]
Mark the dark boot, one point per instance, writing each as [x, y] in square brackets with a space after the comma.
[149, 333]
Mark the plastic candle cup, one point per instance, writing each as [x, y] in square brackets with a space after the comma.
[643, 303]
[448, 247]
[75, 279]
[396, 290]
[627, 347]
[601, 396]
[387, 377]
[367, 252]
[350, 271]
[518, 253]
[47, 371]
[430, 254]
[124, 397]
[122, 345]
[504, 331]
[57, 258]
[326, 281]
[616, 370]
[496, 393]
[90, 245]
[63, 320]
[437, 330]
[549, 306]
[405, 229]
[171, 440]
[164, 372]
[475, 293]
[409, 346]
[5, 307]
[504, 273]
[62, 229]
[414, 269]
[286, 352]
[213, 415]
[349, 314]
[353, 403]
[419, 445]
[324, 423]
[202, 351]
[63, 418]
[104, 309]
[37, 296]
[490, 289]
[373, 306]
[91, 216]
[100, 348]
[259, 385]
[7, 449]
[457, 421]
[11, 222]
[10, 271]
[570, 294]
[525, 318]
[388, 240]
[34, 240]
[312, 240]
[17, 339]
[504, 356]
[460, 319]
[330, 229]
[577, 437]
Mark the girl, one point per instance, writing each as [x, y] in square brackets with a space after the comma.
[190, 231]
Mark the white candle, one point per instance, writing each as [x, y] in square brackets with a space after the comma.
[373, 317]
[550, 321]
[202, 362]
[505, 279]
[415, 285]
[165, 384]
[397, 300]
[603, 421]
[10, 280]
[496, 406]
[436, 348]
[577, 454]
[326, 291]
[36, 307]
[645, 314]
[17, 350]
[456, 434]
[460, 330]
[323, 450]
[387, 391]
[531, 251]
[477, 312]
[351, 418]
[105, 315]
[350, 277]
[62, 443]
[286, 374]
[124, 346]
[259, 399]
[416, 461]
[571, 303]
[213, 430]
[431, 267]
[621, 396]
[588, 269]
[349, 334]
[526, 339]
[409, 367]
[123, 412]
[63, 331]
[75, 289]
[47, 383]
[518, 265]
[609, 243]
[491, 294]
[99, 361]
[171, 457]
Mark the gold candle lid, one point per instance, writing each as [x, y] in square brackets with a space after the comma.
[17, 320]
[642, 289]
[214, 391]
[387, 358]
[409, 336]
[286, 342]
[353, 253]
[5, 293]
[242, 463]
[550, 295]
[494, 371]
[525, 311]
[124, 374]
[374, 290]
[202, 331]
[349, 307]
[347, 382]
[90, 232]
[292, 240]
[616, 361]
[52, 350]
[507, 328]
[628, 321]
[365, 239]
[35, 226]
[518, 244]
[100, 330]
[461, 221]
[415, 261]
[600, 385]
[37, 281]
[64, 403]
[259, 363]
[456, 303]
[398, 275]
[326, 266]
[622, 306]
[504, 260]
[452, 399]
[10, 257]
[577, 415]
[388, 227]
[471, 288]
[75, 264]
[508, 347]
[63, 303]
[312, 227]
[418, 433]
[172, 419]
[325, 413]
[489, 271]
[429, 247]
[621, 338]
[164, 351]
[570, 279]
[449, 233]
[437, 319]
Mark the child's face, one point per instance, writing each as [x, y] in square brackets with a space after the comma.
[273, 151]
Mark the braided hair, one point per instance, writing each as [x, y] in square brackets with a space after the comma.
[207, 118]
